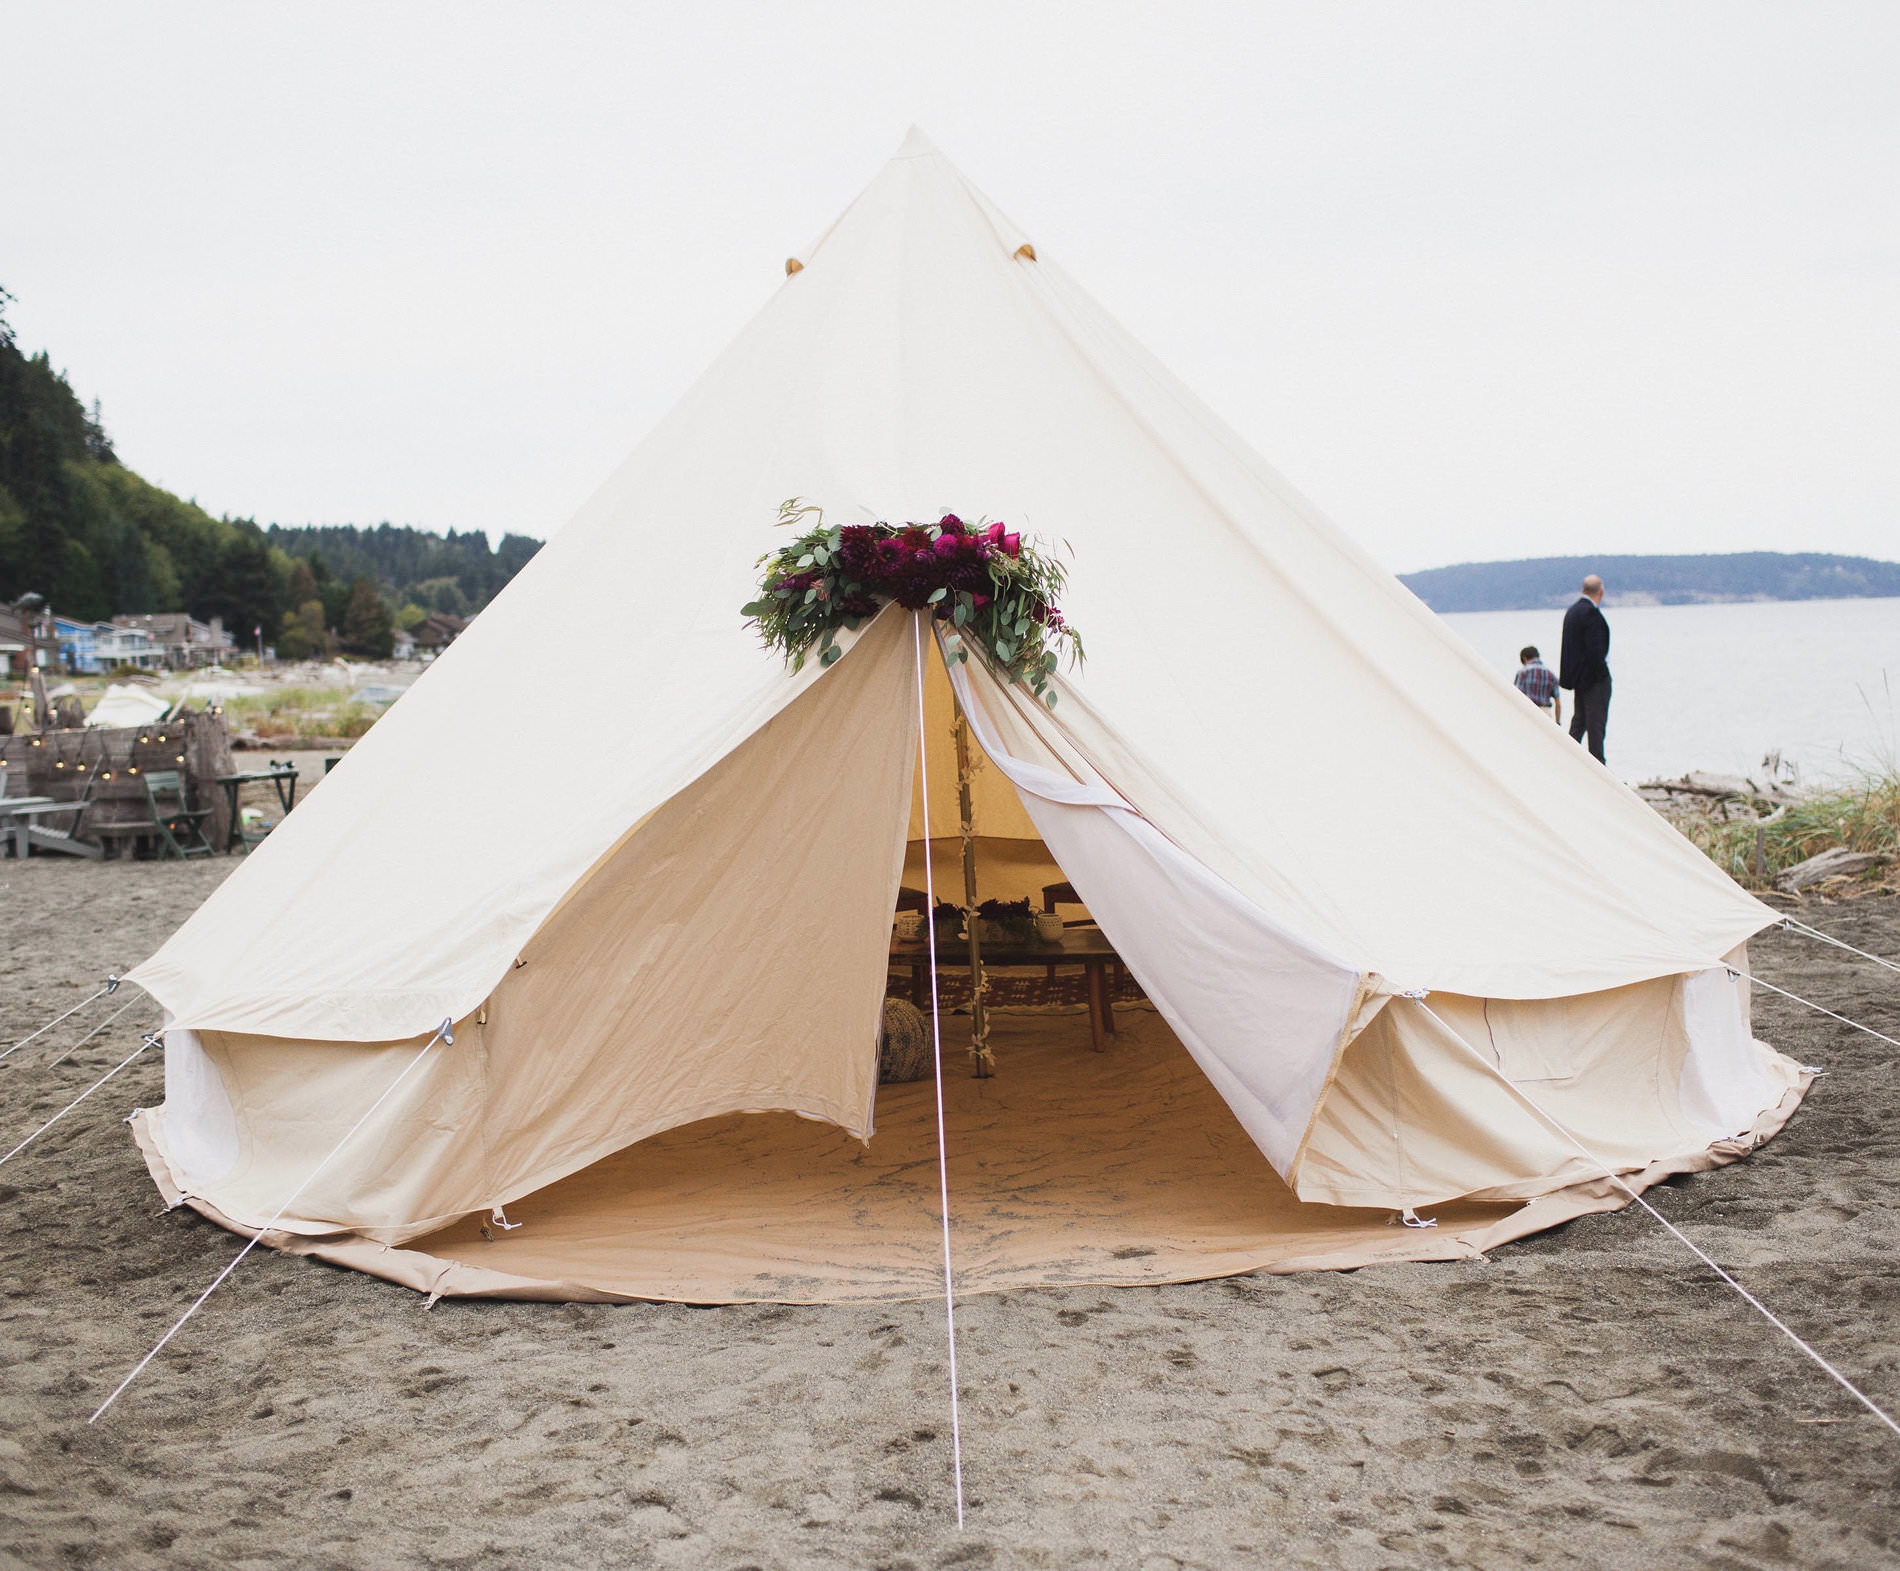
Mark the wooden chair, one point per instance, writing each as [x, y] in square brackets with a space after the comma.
[67, 840]
[180, 830]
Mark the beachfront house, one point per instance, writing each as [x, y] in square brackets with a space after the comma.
[116, 645]
[26, 637]
[181, 641]
[79, 644]
[434, 633]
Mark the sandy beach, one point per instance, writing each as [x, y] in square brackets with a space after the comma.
[1589, 1397]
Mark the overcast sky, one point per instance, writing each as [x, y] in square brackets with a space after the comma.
[1482, 280]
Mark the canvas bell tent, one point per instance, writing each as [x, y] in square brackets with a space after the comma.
[1407, 946]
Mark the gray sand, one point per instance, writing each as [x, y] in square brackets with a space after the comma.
[1590, 1397]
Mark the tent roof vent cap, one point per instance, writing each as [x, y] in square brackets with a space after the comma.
[793, 265]
[1025, 252]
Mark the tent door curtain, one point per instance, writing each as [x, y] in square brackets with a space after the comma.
[1263, 1014]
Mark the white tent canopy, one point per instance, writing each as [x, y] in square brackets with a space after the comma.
[1288, 795]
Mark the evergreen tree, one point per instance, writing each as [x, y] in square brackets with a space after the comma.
[368, 627]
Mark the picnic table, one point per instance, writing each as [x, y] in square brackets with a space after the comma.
[284, 778]
[1083, 946]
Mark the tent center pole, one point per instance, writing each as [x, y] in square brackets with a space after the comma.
[979, 985]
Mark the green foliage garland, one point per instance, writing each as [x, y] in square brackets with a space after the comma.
[996, 592]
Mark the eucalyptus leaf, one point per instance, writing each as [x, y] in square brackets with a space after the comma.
[960, 615]
[936, 595]
[806, 560]
[829, 655]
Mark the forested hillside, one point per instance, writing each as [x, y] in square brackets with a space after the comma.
[86, 533]
[456, 573]
[1655, 580]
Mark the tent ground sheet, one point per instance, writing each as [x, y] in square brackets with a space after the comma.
[1068, 1167]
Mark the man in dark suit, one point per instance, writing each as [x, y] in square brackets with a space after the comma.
[1584, 666]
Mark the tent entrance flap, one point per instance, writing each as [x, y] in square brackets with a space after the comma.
[1263, 1014]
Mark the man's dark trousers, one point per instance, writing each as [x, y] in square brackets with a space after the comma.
[1590, 713]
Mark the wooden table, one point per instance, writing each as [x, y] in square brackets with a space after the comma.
[1083, 946]
[13, 829]
[284, 779]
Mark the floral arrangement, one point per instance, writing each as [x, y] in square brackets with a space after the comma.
[995, 591]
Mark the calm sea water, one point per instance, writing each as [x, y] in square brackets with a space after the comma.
[1718, 687]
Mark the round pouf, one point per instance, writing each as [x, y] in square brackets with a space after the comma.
[903, 1046]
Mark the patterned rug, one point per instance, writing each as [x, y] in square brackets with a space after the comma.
[1025, 989]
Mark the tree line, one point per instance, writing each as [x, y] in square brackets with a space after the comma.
[95, 540]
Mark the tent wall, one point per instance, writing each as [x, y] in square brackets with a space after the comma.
[1432, 1101]
[730, 956]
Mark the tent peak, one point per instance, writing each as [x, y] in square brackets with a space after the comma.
[916, 145]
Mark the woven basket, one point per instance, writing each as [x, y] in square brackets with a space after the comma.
[903, 1046]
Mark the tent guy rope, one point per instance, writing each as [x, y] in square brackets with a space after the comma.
[56, 1062]
[1828, 938]
[1810, 1003]
[1687, 1242]
[144, 1042]
[936, 1038]
[443, 1033]
[112, 986]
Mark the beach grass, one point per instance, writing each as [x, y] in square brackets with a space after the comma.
[320, 712]
[1863, 815]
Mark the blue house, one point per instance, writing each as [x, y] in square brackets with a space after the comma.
[77, 645]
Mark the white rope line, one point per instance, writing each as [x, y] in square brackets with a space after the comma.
[112, 984]
[1688, 1243]
[77, 1100]
[54, 1063]
[936, 1035]
[1890, 1041]
[1828, 938]
[443, 1033]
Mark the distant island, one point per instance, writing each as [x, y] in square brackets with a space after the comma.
[1550, 582]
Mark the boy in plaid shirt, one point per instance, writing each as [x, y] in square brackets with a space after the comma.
[1537, 682]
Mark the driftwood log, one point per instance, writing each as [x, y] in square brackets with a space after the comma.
[1838, 862]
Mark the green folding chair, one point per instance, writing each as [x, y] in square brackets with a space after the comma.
[179, 828]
